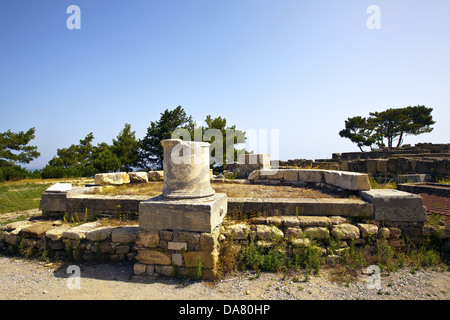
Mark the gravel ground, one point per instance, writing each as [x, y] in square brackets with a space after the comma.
[29, 279]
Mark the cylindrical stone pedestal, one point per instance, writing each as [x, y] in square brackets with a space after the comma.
[186, 169]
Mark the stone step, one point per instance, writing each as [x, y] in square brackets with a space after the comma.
[302, 207]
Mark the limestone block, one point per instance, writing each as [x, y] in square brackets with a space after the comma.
[36, 230]
[117, 178]
[125, 234]
[53, 202]
[294, 232]
[147, 239]
[271, 174]
[200, 215]
[138, 177]
[177, 246]
[317, 232]
[311, 175]
[384, 233]
[345, 231]
[394, 205]
[156, 175]
[367, 229]
[313, 221]
[302, 242]
[290, 175]
[56, 233]
[208, 259]
[254, 175]
[209, 241]
[16, 226]
[237, 231]
[139, 268]
[99, 234]
[177, 259]
[148, 256]
[264, 232]
[347, 180]
[60, 187]
[80, 231]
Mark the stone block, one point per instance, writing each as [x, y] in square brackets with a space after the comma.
[209, 241]
[148, 239]
[394, 205]
[139, 268]
[319, 233]
[177, 246]
[99, 234]
[237, 231]
[311, 175]
[345, 207]
[290, 175]
[149, 256]
[347, 180]
[313, 221]
[264, 232]
[80, 231]
[156, 175]
[382, 165]
[138, 177]
[208, 259]
[56, 233]
[52, 203]
[367, 229]
[36, 230]
[177, 259]
[271, 174]
[60, 187]
[294, 232]
[411, 178]
[125, 234]
[116, 178]
[199, 215]
[345, 231]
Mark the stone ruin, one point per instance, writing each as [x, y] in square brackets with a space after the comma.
[180, 228]
[180, 231]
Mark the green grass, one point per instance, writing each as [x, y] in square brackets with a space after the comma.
[15, 197]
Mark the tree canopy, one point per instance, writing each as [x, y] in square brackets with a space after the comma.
[388, 126]
[152, 152]
[14, 147]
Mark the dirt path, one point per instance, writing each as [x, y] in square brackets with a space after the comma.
[27, 279]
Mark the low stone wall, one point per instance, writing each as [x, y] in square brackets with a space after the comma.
[332, 234]
[345, 180]
[434, 167]
[85, 242]
[177, 253]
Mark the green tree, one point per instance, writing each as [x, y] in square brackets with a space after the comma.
[126, 148]
[388, 125]
[14, 147]
[151, 153]
[360, 131]
[106, 161]
[228, 154]
[76, 160]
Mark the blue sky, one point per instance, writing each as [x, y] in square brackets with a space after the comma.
[300, 67]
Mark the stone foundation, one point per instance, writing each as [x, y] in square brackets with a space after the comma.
[177, 253]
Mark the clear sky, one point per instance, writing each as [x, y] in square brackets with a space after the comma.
[297, 66]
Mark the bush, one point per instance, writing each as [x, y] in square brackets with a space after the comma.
[13, 173]
[50, 172]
